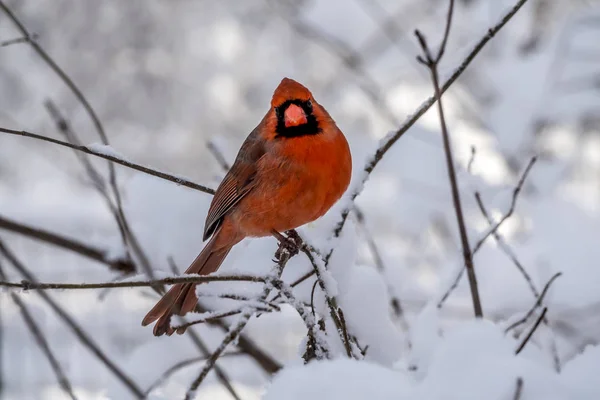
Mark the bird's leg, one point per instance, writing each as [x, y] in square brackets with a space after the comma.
[292, 243]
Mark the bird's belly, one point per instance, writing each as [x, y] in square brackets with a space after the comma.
[292, 200]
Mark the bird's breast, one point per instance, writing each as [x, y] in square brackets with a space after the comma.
[298, 180]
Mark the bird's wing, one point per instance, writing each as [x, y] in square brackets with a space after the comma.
[238, 182]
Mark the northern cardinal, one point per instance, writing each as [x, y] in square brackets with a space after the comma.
[289, 171]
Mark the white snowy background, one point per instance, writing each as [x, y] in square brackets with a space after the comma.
[166, 77]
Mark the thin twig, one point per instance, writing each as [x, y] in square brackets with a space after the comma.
[41, 341]
[163, 175]
[219, 157]
[394, 300]
[319, 348]
[14, 41]
[518, 389]
[471, 159]
[96, 178]
[506, 248]
[265, 362]
[493, 230]
[101, 256]
[513, 204]
[77, 330]
[121, 220]
[345, 332]
[33, 285]
[432, 64]
[330, 301]
[212, 317]
[538, 303]
[180, 365]
[236, 328]
[128, 237]
[388, 142]
[532, 330]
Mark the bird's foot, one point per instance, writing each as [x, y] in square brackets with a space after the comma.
[292, 243]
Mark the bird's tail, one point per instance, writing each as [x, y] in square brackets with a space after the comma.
[181, 298]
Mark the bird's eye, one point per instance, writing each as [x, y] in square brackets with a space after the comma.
[309, 103]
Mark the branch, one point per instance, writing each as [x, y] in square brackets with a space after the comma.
[163, 175]
[33, 285]
[121, 220]
[14, 41]
[95, 177]
[236, 329]
[77, 330]
[394, 300]
[218, 155]
[537, 303]
[180, 365]
[513, 204]
[390, 140]
[265, 362]
[320, 347]
[329, 300]
[128, 238]
[504, 246]
[492, 231]
[518, 389]
[532, 330]
[101, 256]
[41, 341]
[212, 316]
[127, 235]
[432, 64]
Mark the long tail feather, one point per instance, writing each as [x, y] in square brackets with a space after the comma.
[181, 298]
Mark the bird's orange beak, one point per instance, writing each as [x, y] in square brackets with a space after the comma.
[294, 115]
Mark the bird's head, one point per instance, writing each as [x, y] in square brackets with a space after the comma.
[294, 108]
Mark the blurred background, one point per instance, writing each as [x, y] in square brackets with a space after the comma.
[167, 78]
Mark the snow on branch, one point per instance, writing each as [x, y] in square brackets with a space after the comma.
[108, 155]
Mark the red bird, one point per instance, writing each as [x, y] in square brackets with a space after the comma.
[289, 171]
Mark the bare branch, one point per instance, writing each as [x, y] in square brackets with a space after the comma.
[533, 329]
[121, 219]
[219, 157]
[432, 64]
[180, 365]
[504, 246]
[14, 41]
[513, 204]
[163, 175]
[538, 303]
[180, 329]
[41, 341]
[492, 231]
[518, 389]
[388, 142]
[95, 177]
[33, 285]
[394, 300]
[101, 256]
[77, 330]
[471, 159]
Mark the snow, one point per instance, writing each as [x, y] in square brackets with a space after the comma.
[473, 360]
[342, 379]
[105, 150]
[161, 96]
